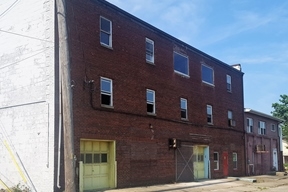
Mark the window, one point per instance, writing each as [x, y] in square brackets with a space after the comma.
[149, 50]
[230, 115]
[249, 125]
[261, 128]
[216, 161]
[150, 97]
[105, 32]
[209, 114]
[207, 75]
[228, 80]
[89, 158]
[234, 160]
[181, 64]
[273, 127]
[183, 104]
[106, 91]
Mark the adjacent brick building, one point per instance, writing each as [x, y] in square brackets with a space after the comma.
[263, 143]
[147, 107]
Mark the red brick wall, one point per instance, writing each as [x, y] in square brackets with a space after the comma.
[143, 157]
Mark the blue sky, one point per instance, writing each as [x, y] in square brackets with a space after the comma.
[253, 33]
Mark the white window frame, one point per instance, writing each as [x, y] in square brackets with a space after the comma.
[216, 161]
[150, 102]
[273, 127]
[249, 128]
[261, 128]
[235, 160]
[209, 110]
[109, 33]
[149, 52]
[104, 92]
[187, 64]
[183, 107]
[202, 72]
[229, 83]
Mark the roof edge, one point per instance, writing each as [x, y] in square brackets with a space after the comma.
[248, 110]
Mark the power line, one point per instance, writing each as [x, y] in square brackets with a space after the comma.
[9, 8]
[26, 36]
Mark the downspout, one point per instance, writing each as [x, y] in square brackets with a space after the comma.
[60, 131]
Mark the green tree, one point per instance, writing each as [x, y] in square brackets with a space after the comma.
[281, 111]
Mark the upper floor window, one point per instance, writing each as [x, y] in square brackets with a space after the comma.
[207, 74]
[228, 80]
[216, 160]
[181, 64]
[105, 32]
[209, 114]
[231, 122]
[150, 98]
[249, 122]
[261, 128]
[234, 160]
[273, 127]
[106, 91]
[149, 50]
[183, 108]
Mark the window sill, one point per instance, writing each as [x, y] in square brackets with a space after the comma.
[107, 106]
[211, 124]
[151, 114]
[184, 119]
[182, 74]
[106, 46]
[150, 62]
[210, 84]
[229, 91]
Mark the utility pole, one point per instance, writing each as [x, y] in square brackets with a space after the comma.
[64, 63]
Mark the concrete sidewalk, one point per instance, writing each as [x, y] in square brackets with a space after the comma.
[263, 182]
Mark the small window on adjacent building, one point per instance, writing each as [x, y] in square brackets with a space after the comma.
[106, 91]
[209, 114]
[273, 127]
[234, 160]
[229, 85]
[181, 64]
[149, 50]
[261, 128]
[216, 161]
[249, 125]
[207, 75]
[150, 97]
[105, 32]
[183, 104]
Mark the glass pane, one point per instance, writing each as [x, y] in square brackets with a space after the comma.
[209, 110]
[150, 108]
[216, 156]
[149, 47]
[105, 25]
[104, 158]
[88, 158]
[150, 96]
[209, 119]
[180, 63]
[96, 158]
[106, 85]
[82, 157]
[229, 114]
[183, 114]
[207, 74]
[105, 99]
[183, 104]
[105, 38]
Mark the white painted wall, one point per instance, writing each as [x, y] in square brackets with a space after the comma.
[27, 91]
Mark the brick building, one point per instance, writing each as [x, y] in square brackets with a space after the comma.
[141, 88]
[263, 143]
[147, 107]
